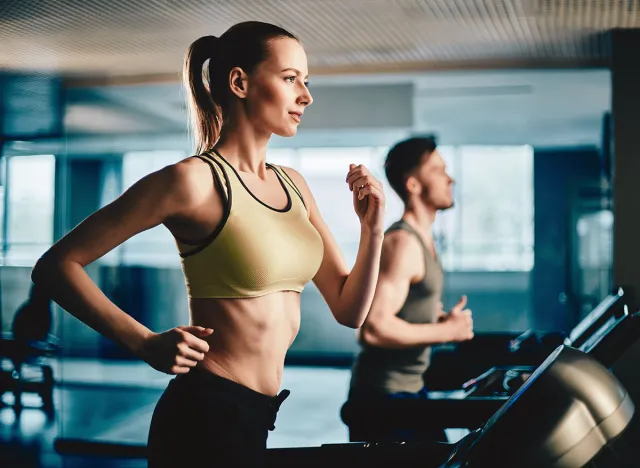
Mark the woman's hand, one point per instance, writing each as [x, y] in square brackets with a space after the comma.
[368, 197]
[177, 350]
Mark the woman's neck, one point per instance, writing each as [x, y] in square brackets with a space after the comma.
[244, 147]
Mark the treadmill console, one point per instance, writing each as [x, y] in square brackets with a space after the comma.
[562, 416]
[502, 381]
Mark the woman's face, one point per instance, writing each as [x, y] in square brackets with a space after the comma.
[277, 93]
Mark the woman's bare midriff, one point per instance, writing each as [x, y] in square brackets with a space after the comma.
[251, 337]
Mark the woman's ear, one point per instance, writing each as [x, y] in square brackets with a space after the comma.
[238, 82]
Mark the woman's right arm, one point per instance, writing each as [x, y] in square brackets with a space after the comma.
[157, 198]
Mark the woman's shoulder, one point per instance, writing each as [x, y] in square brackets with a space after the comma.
[188, 182]
[295, 177]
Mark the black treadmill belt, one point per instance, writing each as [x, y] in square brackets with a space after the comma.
[429, 454]
[469, 413]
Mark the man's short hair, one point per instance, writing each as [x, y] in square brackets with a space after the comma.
[403, 158]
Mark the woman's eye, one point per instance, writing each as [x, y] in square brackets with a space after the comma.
[290, 79]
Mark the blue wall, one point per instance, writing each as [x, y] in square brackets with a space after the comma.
[556, 175]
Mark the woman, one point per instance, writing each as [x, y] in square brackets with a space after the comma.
[250, 236]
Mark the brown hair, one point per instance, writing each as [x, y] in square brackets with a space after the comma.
[244, 45]
[403, 158]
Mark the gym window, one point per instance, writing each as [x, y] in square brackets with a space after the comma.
[28, 208]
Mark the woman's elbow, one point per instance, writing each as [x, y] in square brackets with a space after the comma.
[37, 272]
[351, 322]
[349, 319]
[45, 268]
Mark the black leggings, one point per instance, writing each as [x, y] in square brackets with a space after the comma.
[204, 420]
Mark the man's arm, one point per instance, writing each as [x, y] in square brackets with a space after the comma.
[398, 268]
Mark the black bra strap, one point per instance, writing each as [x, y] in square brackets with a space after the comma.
[288, 180]
[201, 245]
[210, 160]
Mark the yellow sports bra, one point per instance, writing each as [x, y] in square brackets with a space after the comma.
[256, 249]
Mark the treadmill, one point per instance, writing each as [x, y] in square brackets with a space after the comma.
[606, 333]
[453, 364]
[569, 413]
[596, 334]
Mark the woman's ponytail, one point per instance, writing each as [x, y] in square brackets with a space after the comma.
[205, 113]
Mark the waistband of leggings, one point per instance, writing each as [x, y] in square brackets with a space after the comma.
[209, 378]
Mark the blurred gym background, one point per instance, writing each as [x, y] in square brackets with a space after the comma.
[524, 98]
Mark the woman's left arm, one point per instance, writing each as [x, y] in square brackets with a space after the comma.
[349, 294]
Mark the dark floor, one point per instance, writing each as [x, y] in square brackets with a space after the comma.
[113, 402]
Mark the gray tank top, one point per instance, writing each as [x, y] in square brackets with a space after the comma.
[382, 370]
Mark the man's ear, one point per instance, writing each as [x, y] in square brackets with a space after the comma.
[238, 82]
[412, 185]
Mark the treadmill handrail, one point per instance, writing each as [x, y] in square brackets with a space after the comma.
[592, 321]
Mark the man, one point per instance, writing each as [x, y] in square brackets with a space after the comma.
[406, 316]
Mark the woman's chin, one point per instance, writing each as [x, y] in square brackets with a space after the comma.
[287, 132]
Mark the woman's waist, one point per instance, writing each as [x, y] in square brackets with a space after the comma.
[256, 366]
[250, 339]
[247, 327]
[199, 386]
